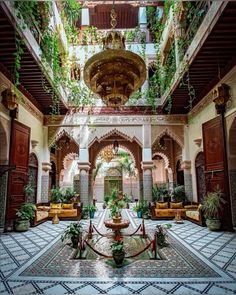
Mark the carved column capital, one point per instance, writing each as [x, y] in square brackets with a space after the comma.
[147, 165]
[84, 167]
[46, 166]
[186, 165]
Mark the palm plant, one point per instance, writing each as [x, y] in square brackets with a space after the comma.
[127, 165]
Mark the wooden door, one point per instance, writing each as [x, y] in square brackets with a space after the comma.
[216, 168]
[200, 176]
[19, 156]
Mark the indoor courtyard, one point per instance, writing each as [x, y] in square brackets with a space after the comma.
[117, 147]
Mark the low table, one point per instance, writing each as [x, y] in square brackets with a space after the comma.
[55, 219]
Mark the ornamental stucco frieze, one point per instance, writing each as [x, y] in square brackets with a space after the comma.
[81, 119]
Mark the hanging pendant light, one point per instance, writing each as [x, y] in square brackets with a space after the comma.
[115, 73]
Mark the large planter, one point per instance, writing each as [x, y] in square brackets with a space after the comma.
[22, 225]
[75, 241]
[91, 214]
[118, 257]
[139, 214]
[213, 224]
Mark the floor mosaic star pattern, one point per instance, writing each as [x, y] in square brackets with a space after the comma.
[215, 250]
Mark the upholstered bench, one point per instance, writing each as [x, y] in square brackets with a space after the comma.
[168, 210]
[196, 216]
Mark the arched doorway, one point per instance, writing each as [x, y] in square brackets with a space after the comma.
[179, 173]
[200, 176]
[33, 177]
[52, 175]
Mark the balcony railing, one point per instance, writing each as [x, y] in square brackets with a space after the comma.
[194, 15]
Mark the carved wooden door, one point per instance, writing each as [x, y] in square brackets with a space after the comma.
[200, 176]
[19, 156]
[216, 169]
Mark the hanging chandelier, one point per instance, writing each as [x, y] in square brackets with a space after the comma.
[107, 154]
[115, 73]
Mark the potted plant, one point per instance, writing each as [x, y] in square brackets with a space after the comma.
[159, 192]
[92, 209]
[25, 214]
[179, 194]
[118, 252]
[56, 195]
[85, 212]
[161, 234]
[73, 232]
[29, 191]
[212, 204]
[69, 195]
[145, 209]
[138, 208]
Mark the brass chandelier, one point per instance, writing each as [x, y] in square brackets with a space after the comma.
[115, 73]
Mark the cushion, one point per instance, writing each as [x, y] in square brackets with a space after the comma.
[67, 206]
[43, 208]
[176, 205]
[162, 205]
[193, 214]
[55, 206]
[40, 215]
[191, 206]
[199, 207]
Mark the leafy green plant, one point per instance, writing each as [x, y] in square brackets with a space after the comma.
[56, 195]
[159, 192]
[212, 204]
[26, 211]
[69, 194]
[73, 232]
[161, 234]
[179, 194]
[117, 246]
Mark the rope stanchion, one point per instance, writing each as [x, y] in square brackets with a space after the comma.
[90, 232]
[97, 252]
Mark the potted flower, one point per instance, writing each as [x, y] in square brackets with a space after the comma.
[92, 209]
[118, 252]
[212, 204]
[73, 232]
[25, 214]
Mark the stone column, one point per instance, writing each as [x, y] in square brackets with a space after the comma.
[84, 168]
[142, 19]
[147, 163]
[46, 167]
[85, 17]
[147, 180]
[186, 166]
[170, 179]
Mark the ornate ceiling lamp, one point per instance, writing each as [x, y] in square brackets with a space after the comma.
[107, 154]
[115, 73]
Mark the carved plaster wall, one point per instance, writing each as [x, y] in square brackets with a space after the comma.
[175, 132]
[128, 132]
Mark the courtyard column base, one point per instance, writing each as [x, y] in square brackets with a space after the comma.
[186, 166]
[84, 168]
[147, 180]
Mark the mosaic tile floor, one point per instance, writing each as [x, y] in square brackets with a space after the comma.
[215, 251]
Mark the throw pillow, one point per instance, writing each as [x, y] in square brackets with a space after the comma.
[67, 206]
[176, 205]
[191, 207]
[55, 206]
[162, 205]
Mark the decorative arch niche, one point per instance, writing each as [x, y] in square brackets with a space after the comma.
[33, 176]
